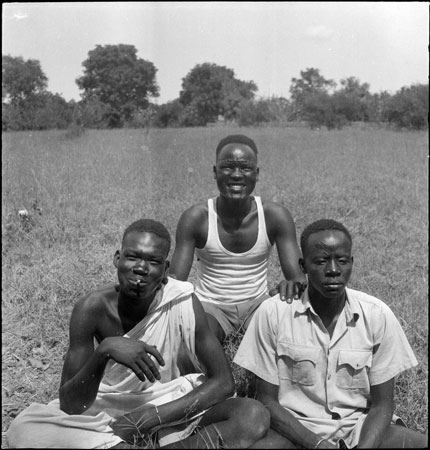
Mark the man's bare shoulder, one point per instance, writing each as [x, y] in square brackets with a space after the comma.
[196, 212]
[194, 220]
[97, 300]
[92, 314]
[275, 211]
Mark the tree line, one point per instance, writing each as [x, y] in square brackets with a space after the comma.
[119, 89]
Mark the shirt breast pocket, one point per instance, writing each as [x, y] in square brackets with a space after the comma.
[297, 363]
[352, 369]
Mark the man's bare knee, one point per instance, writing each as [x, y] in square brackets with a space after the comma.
[251, 419]
[274, 440]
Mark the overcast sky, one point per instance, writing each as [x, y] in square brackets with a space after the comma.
[382, 43]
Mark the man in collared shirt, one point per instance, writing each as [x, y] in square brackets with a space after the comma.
[325, 365]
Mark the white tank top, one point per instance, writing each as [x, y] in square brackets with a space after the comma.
[232, 278]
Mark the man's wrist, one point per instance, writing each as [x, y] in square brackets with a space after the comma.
[319, 443]
[102, 351]
[158, 414]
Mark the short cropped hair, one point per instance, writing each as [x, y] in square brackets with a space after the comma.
[322, 225]
[236, 139]
[149, 226]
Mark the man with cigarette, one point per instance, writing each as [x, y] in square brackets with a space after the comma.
[122, 383]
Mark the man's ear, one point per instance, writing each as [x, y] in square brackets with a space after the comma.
[166, 272]
[116, 258]
[214, 171]
[258, 174]
[352, 260]
[302, 265]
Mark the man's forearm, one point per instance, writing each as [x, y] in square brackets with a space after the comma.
[288, 426]
[78, 394]
[374, 427]
[199, 399]
[147, 417]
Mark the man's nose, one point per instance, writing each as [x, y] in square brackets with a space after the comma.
[236, 172]
[332, 268]
[141, 267]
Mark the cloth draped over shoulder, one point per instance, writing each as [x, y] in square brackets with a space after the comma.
[168, 324]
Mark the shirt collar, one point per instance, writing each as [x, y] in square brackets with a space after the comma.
[352, 310]
[304, 304]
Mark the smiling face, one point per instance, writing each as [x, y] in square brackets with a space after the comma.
[327, 261]
[141, 264]
[236, 171]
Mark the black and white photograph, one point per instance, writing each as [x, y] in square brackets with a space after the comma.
[215, 225]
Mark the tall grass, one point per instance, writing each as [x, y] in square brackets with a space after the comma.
[81, 192]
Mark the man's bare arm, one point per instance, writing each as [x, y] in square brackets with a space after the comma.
[282, 231]
[185, 245]
[84, 367]
[379, 417]
[283, 422]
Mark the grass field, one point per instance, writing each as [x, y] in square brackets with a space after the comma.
[82, 192]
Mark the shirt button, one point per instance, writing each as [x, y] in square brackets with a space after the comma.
[329, 376]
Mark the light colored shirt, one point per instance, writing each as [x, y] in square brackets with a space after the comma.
[325, 382]
[223, 276]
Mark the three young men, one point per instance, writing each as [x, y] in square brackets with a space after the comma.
[325, 364]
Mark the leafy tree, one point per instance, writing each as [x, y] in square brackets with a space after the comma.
[409, 107]
[254, 113]
[264, 110]
[209, 90]
[235, 92]
[310, 83]
[354, 88]
[169, 115]
[10, 118]
[320, 109]
[21, 80]
[91, 113]
[23, 83]
[281, 109]
[143, 118]
[27, 105]
[53, 112]
[44, 111]
[351, 100]
[116, 77]
[377, 105]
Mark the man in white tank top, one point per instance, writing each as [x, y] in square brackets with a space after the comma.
[232, 236]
